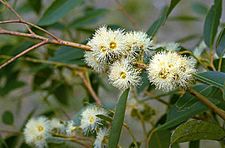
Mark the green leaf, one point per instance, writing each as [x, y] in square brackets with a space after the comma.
[36, 5]
[197, 130]
[118, 119]
[159, 139]
[179, 114]
[63, 92]
[212, 22]
[89, 17]
[69, 55]
[187, 100]
[7, 118]
[214, 78]
[57, 10]
[159, 22]
[220, 44]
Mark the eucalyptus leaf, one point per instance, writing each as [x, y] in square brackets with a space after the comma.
[159, 139]
[118, 119]
[214, 78]
[197, 130]
[178, 114]
[159, 22]
[212, 22]
[57, 10]
[220, 45]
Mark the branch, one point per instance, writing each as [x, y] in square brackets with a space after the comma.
[23, 53]
[30, 24]
[209, 104]
[17, 15]
[89, 88]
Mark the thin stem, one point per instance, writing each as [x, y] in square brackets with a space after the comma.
[30, 24]
[209, 104]
[220, 63]
[89, 88]
[17, 15]
[22, 53]
[50, 41]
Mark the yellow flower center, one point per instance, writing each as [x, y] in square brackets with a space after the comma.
[112, 45]
[40, 128]
[163, 74]
[92, 119]
[123, 75]
[103, 48]
[40, 137]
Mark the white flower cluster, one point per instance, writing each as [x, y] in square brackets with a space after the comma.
[39, 131]
[115, 52]
[168, 70]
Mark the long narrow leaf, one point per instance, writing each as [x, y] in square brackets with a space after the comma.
[118, 119]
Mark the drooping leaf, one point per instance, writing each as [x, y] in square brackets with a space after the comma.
[214, 78]
[184, 18]
[197, 130]
[7, 118]
[36, 5]
[220, 44]
[212, 22]
[118, 119]
[69, 55]
[159, 22]
[159, 139]
[57, 10]
[89, 17]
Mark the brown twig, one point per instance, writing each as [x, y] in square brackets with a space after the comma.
[17, 15]
[89, 88]
[23, 53]
[209, 104]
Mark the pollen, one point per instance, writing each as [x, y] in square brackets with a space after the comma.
[91, 119]
[112, 45]
[163, 74]
[40, 128]
[123, 75]
[103, 48]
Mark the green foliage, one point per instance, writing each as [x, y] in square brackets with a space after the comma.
[162, 19]
[212, 22]
[220, 44]
[8, 118]
[57, 10]
[118, 119]
[197, 130]
[160, 139]
[216, 79]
